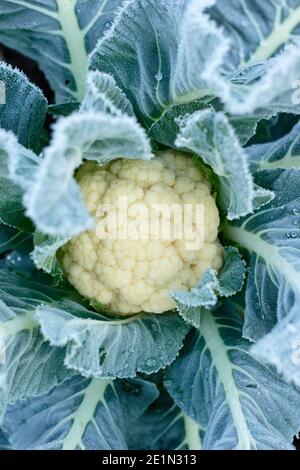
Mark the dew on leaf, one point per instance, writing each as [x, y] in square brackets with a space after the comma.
[151, 363]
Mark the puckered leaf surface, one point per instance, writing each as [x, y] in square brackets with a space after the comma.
[258, 29]
[14, 239]
[164, 426]
[212, 138]
[192, 305]
[31, 366]
[237, 401]
[271, 235]
[91, 135]
[110, 348]
[4, 444]
[81, 414]
[170, 57]
[12, 211]
[25, 106]
[283, 154]
[58, 34]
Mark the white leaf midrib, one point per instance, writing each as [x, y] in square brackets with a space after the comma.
[279, 36]
[266, 251]
[287, 162]
[19, 323]
[224, 368]
[93, 394]
[192, 432]
[74, 38]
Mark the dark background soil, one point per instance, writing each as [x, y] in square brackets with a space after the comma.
[30, 69]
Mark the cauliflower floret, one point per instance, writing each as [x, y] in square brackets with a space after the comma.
[134, 273]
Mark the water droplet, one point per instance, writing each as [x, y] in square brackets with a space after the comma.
[158, 76]
[168, 383]
[294, 234]
[131, 349]
[295, 211]
[269, 410]
[151, 363]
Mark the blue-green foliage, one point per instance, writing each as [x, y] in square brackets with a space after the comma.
[223, 371]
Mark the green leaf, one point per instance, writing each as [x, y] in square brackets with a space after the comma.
[12, 211]
[22, 165]
[281, 347]
[238, 402]
[18, 262]
[25, 106]
[166, 129]
[258, 29]
[31, 365]
[63, 109]
[164, 426]
[258, 32]
[86, 414]
[272, 238]
[211, 137]
[4, 444]
[192, 305]
[103, 94]
[153, 52]
[232, 276]
[101, 347]
[44, 254]
[267, 88]
[281, 154]
[65, 30]
[14, 239]
[90, 135]
[244, 125]
[167, 55]
[262, 197]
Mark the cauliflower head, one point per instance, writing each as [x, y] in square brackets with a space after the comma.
[128, 275]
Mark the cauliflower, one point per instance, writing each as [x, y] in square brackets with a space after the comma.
[133, 274]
